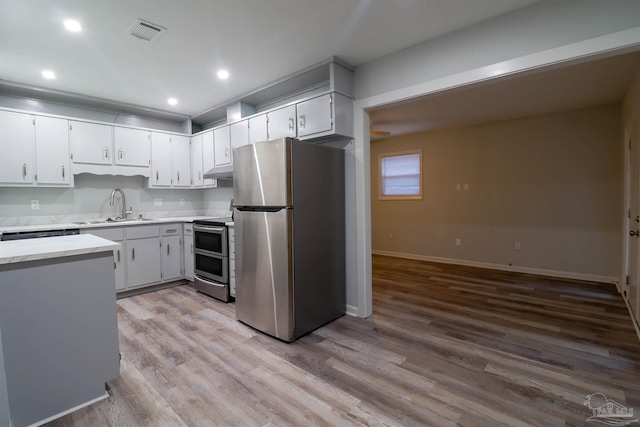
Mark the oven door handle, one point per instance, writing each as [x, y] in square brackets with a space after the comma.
[209, 282]
[207, 229]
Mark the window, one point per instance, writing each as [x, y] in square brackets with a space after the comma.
[400, 175]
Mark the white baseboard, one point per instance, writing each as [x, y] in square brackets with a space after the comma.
[516, 269]
[352, 310]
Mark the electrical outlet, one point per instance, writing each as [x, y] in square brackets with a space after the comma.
[391, 235]
[182, 201]
[157, 202]
[458, 242]
[458, 187]
[466, 187]
[517, 245]
[35, 204]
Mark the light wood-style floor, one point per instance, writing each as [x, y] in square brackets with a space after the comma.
[446, 345]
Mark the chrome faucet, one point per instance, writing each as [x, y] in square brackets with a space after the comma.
[124, 213]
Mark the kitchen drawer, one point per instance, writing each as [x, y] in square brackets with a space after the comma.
[110, 233]
[170, 229]
[188, 229]
[142, 232]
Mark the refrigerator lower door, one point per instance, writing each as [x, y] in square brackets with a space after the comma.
[264, 279]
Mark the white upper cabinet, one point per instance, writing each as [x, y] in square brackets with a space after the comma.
[282, 122]
[208, 158]
[326, 115]
[161, 169]
[17, 148]
[222, 145]
[258, 128]
[239, 132]
[132, 146]
[91, 143]
[315, 115]
[181, 161]
[196, 161]
[52, 151]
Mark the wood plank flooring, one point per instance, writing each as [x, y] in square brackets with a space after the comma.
[447, 345]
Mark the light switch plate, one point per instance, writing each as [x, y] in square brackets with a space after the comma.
[35, 204]
[182, 201]
[157, 202]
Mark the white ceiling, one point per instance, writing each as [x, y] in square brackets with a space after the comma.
[258, 41]
[559, 88]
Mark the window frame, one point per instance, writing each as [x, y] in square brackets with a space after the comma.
[382, 196]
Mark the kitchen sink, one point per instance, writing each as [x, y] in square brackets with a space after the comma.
[112, 221]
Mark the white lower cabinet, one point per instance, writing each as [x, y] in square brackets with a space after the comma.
[143, 261]
[115, 235]
[149, 254]
[171, 247]
[188, 252]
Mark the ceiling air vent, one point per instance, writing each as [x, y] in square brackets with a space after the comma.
[145, 30]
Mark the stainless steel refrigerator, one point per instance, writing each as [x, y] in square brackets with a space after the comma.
[289, 236]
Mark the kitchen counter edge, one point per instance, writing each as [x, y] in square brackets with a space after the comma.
[71, 225]
[16, 251]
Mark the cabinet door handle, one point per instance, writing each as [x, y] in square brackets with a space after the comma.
[157, 176]
[226, 152]
[106, 153]
[178, 176]
[291, 123]
[120, 153]
[24, 170]
[199, 176]
[302, 121]
[62, 171]
[168, 249]
[118, 255]
[133, 254]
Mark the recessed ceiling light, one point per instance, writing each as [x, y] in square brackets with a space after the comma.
[73, 26]
[172, 101]
[48, 74]
[223, 74]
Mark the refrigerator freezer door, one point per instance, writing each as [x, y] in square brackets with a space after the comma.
[264, 287]
[262, 174]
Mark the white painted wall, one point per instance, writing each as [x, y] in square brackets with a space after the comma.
[552, 183]
[544, 34]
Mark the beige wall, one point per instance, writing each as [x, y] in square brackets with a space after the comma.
[551, 182]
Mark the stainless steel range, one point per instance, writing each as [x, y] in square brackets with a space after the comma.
[211, 257]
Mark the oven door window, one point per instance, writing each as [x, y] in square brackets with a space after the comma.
[210, 242]
[211, 267]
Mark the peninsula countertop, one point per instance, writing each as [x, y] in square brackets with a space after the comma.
[15, 251]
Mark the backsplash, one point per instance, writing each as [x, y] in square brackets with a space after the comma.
[89, 200]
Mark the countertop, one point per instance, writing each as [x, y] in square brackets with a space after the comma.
[15, 251]
[71, 225]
